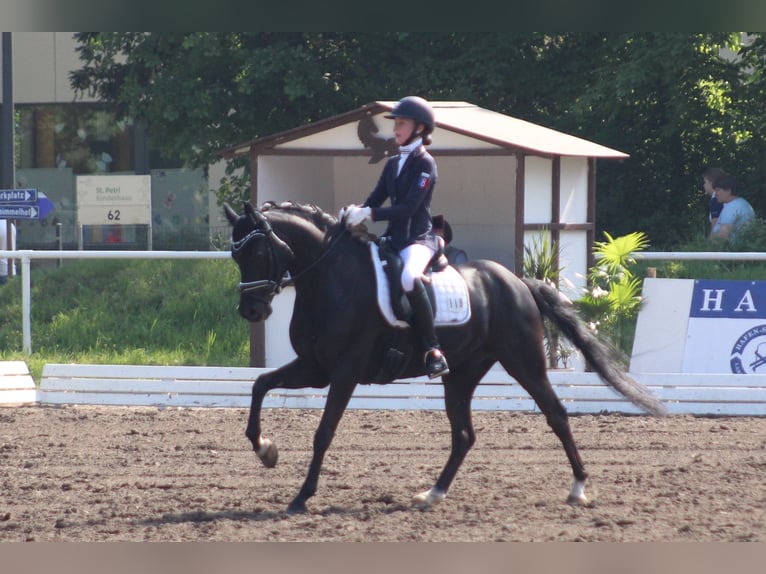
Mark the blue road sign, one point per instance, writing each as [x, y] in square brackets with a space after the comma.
[22, 207]
[23, 196]
[19, 212]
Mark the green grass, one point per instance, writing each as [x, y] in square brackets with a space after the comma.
[141, 312]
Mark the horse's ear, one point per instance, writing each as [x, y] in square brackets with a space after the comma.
[251, 213]
[256, 216]
[231, 215]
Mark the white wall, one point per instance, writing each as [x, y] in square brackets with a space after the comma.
[305, 179]
[42, 62]
[476, 194]
[662, 325]
[574, 190]
[538, 197]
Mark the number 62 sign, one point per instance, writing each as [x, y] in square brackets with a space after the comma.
[114, 199]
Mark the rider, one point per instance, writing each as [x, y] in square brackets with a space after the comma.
[408, 181]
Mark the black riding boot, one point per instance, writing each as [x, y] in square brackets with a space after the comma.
[423, 323]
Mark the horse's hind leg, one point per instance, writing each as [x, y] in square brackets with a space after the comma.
[540, 389]
[458, 391]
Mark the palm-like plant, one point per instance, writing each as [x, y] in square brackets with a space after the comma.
[613, 297]
[541, 261]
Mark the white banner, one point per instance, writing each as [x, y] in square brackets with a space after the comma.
[727, 328]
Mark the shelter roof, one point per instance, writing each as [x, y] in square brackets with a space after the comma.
[463, 118]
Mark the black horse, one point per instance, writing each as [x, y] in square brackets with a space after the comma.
[342, 340]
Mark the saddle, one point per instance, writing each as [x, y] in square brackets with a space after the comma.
[446, 288]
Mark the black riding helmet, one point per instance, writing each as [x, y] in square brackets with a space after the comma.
[415, 108]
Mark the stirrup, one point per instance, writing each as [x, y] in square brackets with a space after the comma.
[436, 364]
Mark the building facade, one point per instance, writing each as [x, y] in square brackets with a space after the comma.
[60, 134]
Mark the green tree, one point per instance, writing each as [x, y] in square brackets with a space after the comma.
[668, 99]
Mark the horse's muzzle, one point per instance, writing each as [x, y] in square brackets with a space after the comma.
[254, 310]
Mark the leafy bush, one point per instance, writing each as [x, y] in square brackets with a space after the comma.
[613, 297]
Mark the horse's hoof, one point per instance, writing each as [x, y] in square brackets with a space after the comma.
[577, 495]
[428, 499]
[581, 500]
[297, 507]
[268, 453]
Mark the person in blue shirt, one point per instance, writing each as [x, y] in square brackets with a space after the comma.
[736, 211]
[714, 206]
[407, 183]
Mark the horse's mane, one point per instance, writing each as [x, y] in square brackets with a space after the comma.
[316, 215]
[313, 213]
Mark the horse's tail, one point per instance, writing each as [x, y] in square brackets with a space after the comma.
[599, 356]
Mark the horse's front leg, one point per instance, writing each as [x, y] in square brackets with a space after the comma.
[337, 401]
[294, 375]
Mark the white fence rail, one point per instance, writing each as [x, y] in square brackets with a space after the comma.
[16, 384]
[26, 256]
[701, 255]
[185, 386]
[581, 393]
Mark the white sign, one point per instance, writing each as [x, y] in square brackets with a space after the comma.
[727, 328]
[701, 326]
[114, 199]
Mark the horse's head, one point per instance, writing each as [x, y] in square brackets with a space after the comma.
[263, 259]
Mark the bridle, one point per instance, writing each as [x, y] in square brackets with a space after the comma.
[272, 286]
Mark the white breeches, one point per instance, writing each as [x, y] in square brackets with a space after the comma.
[415, 257]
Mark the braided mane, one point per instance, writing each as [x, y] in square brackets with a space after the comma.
[315, 214]
[320, 218]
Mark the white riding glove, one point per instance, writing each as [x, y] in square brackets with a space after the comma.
[356, 215]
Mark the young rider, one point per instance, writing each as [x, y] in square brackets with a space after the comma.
[408, 181]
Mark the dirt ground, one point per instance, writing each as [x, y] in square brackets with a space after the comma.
[166, 474]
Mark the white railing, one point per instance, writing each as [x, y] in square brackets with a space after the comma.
[701, 255]
[25, 256]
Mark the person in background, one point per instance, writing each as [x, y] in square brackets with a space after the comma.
[736, 211]
[4, 245]
[407, 182]
[443, 229]
[714, 206]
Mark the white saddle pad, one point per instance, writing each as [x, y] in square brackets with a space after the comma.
[453, 306]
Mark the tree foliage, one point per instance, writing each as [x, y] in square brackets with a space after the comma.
[670, 100]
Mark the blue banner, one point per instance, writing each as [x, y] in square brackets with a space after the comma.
[716, 299]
